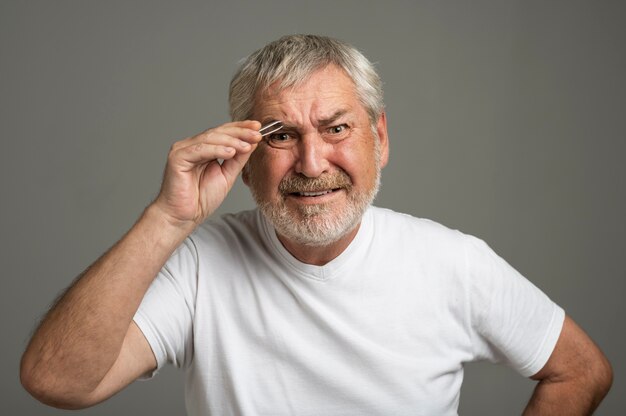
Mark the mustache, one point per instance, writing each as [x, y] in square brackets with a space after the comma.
[300, 183]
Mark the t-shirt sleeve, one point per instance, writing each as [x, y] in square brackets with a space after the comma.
[165, 315]
[512, 320]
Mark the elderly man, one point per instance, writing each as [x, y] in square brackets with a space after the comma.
[316, 303]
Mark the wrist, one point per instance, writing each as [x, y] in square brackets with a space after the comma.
[171, 231]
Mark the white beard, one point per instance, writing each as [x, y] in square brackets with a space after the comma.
[319, 224]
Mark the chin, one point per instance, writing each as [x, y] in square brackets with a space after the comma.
[313, 225]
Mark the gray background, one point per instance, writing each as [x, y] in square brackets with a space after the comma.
[506, 118]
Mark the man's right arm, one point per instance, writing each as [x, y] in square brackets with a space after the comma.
[87, 347]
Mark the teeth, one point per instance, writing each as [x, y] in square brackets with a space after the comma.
[314, 193]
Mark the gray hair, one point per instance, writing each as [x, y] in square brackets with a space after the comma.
[290, 60]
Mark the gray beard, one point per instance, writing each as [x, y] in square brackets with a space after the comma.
[319, 224]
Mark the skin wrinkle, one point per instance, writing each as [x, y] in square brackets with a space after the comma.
[318, 226]
[350, 164]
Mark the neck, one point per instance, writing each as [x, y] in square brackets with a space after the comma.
[318, 255]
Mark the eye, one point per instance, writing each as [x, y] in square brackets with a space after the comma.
[279, 137]
[337, 133]
[281, 140]
[338, 129]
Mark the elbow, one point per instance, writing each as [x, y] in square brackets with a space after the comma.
[49, 390]
[596, 380]
[603, 376]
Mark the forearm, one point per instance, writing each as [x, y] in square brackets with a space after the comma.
[80, 338]
[556, 399]
[573, 397]
[575, 379]
[71, 359]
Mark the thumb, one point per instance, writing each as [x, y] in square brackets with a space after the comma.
[232, 167]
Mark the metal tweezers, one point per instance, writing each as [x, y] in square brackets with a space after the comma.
[270, 128]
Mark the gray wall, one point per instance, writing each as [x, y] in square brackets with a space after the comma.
[506, 121]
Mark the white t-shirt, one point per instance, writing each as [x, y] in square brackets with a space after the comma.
[383, 329]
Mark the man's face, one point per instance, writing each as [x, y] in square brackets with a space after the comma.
[314, 178]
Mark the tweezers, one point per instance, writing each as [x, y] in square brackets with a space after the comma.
[270, 128]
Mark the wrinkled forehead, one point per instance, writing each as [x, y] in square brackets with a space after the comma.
[327, 87]
[293, 80]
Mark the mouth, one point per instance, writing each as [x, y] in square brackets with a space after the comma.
[314, 193]
[315, 190]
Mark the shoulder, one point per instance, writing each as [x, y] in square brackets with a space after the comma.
[228, 226]
[428, 239]
[391, 217]
[397, 226]
[229, 234]
[418, 243]
[440, 243]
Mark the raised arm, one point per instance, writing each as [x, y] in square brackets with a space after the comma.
[87, 347]
[574, 380]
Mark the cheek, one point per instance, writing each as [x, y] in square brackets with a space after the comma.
[359, 163]
[268, 169]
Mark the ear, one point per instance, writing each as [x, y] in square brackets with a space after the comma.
[381, 129]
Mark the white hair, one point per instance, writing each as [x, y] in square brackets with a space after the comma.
[290, 60]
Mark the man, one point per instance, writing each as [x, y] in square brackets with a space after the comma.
[316, 303]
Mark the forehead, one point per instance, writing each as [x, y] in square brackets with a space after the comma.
[322, 94]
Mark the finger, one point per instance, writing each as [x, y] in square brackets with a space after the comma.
[240, 129]
[199, 153]
[245, 134]
[221, 139]
[233, 166]
[228, 136]
[248, 124]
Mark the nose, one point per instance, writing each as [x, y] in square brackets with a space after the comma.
[312, 155]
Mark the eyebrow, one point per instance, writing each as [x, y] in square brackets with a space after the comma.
[330, 120]
[322, 122]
